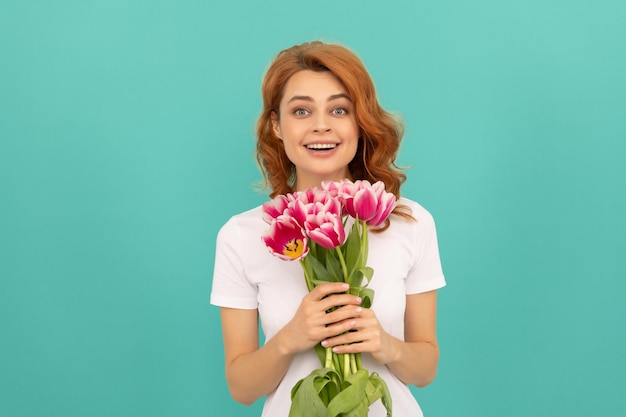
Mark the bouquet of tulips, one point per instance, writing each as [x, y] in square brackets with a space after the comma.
[310, 226]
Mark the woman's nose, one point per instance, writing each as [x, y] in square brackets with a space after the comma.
[321, 123]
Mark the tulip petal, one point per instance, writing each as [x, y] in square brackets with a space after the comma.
[286, 240]
[365, 204]
[387, 203]
[325, 229]
[274, 208]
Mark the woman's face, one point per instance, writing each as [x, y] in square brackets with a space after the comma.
[318, 127]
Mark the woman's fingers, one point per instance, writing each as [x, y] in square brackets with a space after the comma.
[361, 333]
[343, 315]
[325, 312]
[323, 290]
[327, 298]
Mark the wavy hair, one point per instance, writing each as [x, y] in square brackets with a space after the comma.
[381, 132]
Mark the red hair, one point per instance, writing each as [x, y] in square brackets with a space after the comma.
[381, 132]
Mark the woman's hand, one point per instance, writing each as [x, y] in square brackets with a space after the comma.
[364, 334]
[414, 359]
[325, 312]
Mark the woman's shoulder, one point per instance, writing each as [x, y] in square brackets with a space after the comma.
[415, 209]
[253, 213]
[249, 219]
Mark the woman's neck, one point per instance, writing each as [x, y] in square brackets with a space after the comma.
[302, 184]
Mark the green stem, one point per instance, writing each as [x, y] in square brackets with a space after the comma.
[307, 274]
[346, 366]
[342, 261]
[353, 366]
[357, 360]
[329, 358]
[364, 243]
[337, 363]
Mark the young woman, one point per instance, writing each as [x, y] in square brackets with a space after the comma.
[321, 121]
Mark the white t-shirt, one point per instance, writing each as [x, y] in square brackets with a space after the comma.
[405, 259]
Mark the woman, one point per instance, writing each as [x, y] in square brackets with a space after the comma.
[321, 121]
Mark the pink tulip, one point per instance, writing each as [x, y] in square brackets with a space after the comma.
[312, 195]
[362, 200]
[334, 187]
[326, 229]
[385, 205]
[338, 189]
[274, 208]
[330, 205]
[286, 239]
[298, 210]
[311, 202]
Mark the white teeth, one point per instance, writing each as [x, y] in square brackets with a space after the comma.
[320, 146]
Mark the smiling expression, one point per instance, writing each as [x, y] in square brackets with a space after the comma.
[318, 127]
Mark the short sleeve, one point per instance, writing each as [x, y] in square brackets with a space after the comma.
[230, 287]
[426, 273]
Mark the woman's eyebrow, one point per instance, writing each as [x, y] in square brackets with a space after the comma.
[338, 96]
[309, 98]
[303, 98]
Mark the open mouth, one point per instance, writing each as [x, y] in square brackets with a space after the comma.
[321, 146]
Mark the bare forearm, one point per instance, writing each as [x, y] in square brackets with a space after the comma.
[414, 360]
[255, 374]
[414, 363]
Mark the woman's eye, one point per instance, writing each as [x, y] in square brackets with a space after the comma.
[340, 112]
[300, 112]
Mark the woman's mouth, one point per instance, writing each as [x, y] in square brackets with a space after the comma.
[321, 146]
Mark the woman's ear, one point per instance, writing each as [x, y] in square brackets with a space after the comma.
[275, 125]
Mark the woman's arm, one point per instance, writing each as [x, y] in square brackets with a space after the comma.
[414, 360]
[250, 372]
[253, 371]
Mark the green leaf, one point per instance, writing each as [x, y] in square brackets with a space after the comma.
[367, 295]
[356, 279]
[352, 396]
[319, 271]
[321, 353]
[353, 249]
[361, 410]
[367, 273]
[309, 395]
[377, 389]
[333, 267]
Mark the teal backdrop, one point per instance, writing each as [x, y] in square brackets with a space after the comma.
[126, 141]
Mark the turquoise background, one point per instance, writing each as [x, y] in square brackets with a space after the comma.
[126, 140]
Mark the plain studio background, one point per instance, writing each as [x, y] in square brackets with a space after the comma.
[126, 141]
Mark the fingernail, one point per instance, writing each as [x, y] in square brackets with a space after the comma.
[358, 299]
[324, 343]
[345, 286]
[359, 309]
